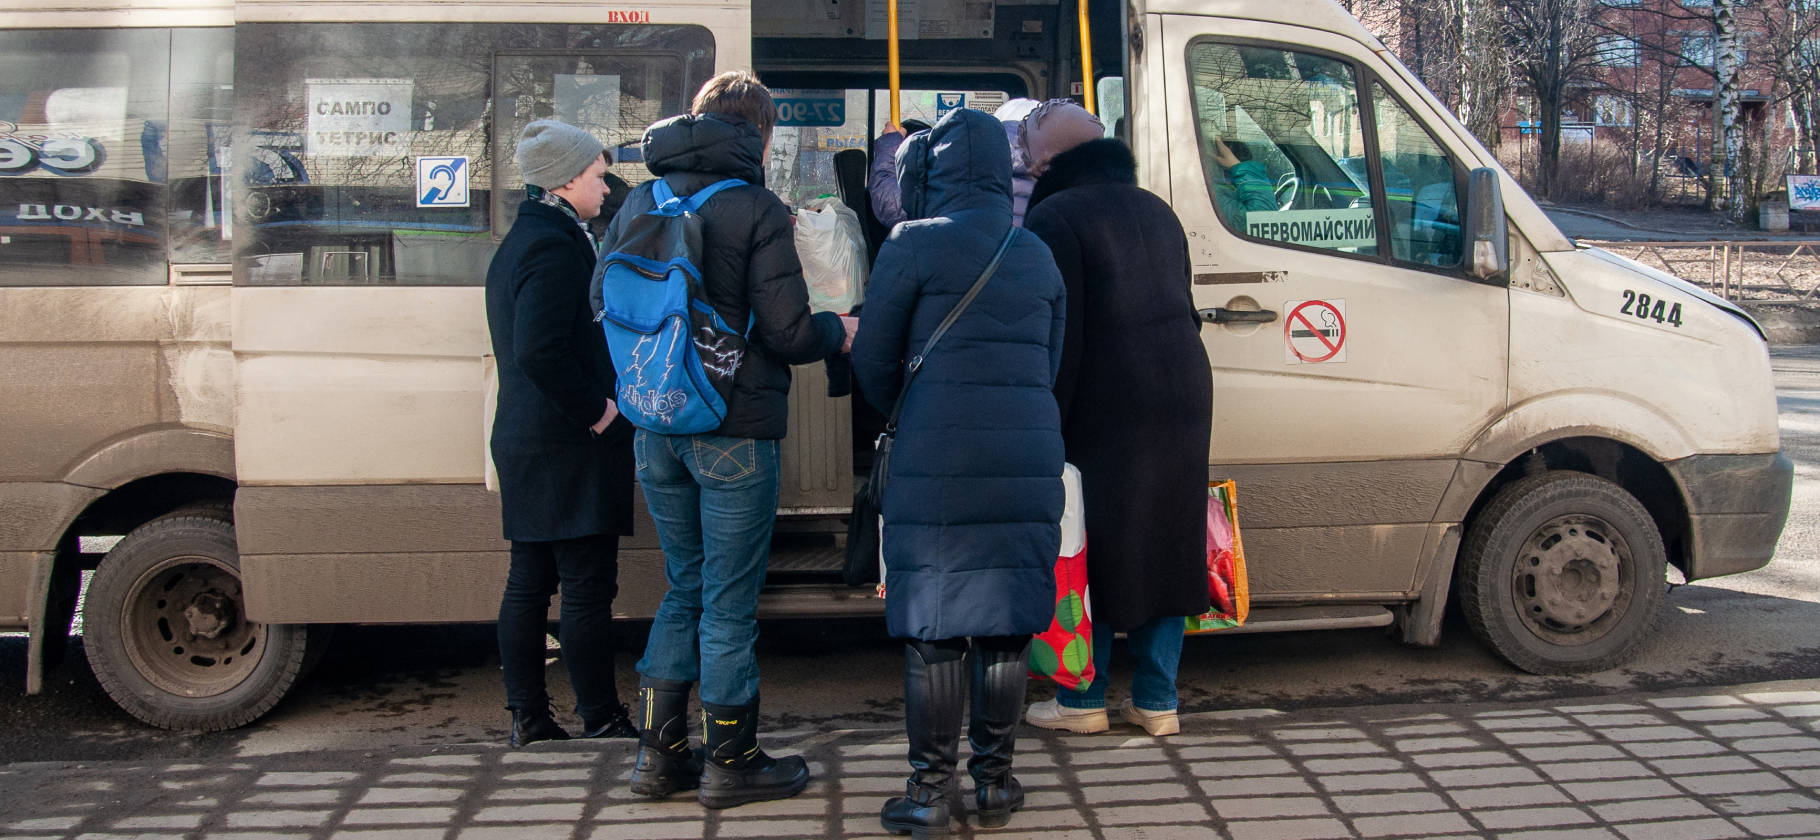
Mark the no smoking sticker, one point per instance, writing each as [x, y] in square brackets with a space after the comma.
[1314, 332]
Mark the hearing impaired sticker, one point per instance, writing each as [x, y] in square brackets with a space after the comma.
[442, 181]
[1314, 331]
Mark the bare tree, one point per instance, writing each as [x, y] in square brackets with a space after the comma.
[1484, 69]
[1552, 46]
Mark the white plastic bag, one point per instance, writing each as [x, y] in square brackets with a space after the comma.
[832, 247]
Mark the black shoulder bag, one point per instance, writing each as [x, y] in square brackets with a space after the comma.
[861, 568]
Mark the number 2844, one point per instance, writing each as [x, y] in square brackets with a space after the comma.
[1660, 311]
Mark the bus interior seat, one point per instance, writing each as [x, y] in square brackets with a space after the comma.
[850, 173]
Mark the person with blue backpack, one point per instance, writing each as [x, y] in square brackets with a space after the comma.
[701, 296]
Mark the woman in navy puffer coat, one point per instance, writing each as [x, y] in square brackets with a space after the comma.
[974, 503]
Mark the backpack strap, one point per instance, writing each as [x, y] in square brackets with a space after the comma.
[670, 204]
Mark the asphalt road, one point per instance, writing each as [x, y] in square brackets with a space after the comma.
[421, 686]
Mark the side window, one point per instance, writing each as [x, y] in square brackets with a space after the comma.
[1420, 187]
[382, 153]
[202, 119]
[614, 95]
[1283, 146]
[84, 136]
[812, 127]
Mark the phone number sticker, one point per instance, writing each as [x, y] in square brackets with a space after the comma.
[812, 109]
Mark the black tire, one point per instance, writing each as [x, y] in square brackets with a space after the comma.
[222, 509]
[151, 608]
[1563, 573]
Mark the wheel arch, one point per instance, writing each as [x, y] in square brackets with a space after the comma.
[118, 510]
[1636, 471]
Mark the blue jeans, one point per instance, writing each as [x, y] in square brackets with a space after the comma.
[714, 499]
[1156, 645]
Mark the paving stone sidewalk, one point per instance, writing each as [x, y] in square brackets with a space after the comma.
[1741, 763]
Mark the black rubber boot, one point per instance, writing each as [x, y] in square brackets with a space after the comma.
[665, 762]
[535, 724]
[934, 696]
[618, 726]
[734, 770]
[999, 677]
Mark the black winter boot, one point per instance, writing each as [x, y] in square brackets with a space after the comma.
[617, 726]
[535, 724]
[999, 678]
[934, 695]
[734, 770]
[665, 762]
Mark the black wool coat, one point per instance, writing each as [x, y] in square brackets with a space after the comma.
[1135, 389]
[973, 508]
[557, 479]
[750, 271]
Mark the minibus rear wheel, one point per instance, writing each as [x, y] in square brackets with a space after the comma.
[1562, 573]
[165, 626]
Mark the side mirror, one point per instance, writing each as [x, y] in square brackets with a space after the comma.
[1487, 238]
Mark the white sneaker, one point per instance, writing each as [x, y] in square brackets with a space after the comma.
[1155, 723]
[1051, 714]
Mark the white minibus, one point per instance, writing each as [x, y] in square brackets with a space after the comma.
[242, 248]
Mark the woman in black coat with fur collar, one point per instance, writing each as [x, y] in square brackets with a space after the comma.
[1136, 398]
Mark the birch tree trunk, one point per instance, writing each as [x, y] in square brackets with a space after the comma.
[1482, 72]
[1728, 139]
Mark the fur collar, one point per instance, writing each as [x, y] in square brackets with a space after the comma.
[1106, 161]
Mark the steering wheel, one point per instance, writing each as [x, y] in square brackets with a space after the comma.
[1323, 197]
[1286, 189]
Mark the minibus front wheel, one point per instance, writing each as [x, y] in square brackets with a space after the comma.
[165, 626]
[1562, 573]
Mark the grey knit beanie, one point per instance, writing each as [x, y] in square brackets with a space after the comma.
[552, 153]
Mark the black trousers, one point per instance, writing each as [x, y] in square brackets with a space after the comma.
[587, 570]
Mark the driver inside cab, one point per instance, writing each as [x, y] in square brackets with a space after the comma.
[1240, 185]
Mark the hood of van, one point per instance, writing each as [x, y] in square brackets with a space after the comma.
[1675, 283]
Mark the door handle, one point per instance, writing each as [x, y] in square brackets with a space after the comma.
[1237, 316]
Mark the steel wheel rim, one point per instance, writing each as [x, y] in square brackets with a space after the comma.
[1573, 580]
[185, 628]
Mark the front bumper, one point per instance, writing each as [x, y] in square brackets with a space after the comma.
[1737, 505]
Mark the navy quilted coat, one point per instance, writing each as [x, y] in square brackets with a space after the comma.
[974, 505]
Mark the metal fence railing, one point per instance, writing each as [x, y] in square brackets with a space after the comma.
[1780, 270]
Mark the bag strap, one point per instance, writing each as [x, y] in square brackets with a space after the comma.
[669, 204]
[916, 364]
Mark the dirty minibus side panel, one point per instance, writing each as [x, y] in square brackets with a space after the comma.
[359, 326]
[1347, 415]
[117, 381]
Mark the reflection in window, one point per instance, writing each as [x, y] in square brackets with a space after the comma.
[1419, 186]
[614, 95]
[820, 123]
[363, 152]
[83, 143]
[1283, 146]
[202, 119]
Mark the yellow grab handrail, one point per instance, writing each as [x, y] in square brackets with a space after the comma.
[1086, 61]
[891, 27]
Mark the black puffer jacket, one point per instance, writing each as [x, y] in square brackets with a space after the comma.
[750, 270]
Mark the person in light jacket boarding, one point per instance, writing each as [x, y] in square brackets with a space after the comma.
[973, 504]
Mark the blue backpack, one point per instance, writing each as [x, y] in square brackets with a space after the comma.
[674, 354]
